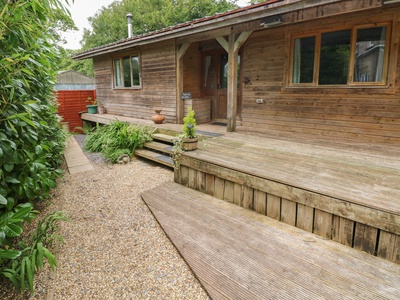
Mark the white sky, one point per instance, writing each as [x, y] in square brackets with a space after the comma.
[81, 10]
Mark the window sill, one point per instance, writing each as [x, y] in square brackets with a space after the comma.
[341, 89]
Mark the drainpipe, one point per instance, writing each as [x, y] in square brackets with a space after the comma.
[129, 18]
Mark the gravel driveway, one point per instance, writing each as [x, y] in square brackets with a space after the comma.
[114, 248]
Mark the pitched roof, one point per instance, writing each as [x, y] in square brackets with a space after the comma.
[178, 30]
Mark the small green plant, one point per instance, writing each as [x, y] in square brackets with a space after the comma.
[189, 124]
[92, 101]
[20, 263]
[189, 132]
[116, 139]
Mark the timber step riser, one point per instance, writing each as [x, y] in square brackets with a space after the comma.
[342, 222]
[159, 150]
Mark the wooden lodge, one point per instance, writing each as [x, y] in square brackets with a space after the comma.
[310, 95]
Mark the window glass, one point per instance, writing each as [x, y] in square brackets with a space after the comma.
[303, 60]
[209, 72]
[370, 54]
[334, 57]
[117, 73]
[135, 70]
[126, 65]
[223, 80]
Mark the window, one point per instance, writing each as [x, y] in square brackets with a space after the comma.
[127, 72]
[355, 56]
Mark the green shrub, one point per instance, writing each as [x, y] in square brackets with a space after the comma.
[31, 140]
[116, 139]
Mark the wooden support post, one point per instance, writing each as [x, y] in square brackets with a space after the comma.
[232, 83]
[181, 50]
[232, 47]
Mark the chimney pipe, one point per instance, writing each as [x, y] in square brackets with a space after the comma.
[129, 18]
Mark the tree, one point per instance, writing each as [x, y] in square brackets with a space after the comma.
[31, 140]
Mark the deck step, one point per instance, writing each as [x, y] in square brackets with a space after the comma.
[160, 147]
[163, 159]
[164, 138]
[240, 254]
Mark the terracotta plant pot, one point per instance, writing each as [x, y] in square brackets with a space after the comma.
[100, 109]
[158, 118]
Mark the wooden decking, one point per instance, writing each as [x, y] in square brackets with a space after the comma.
[341, 190]
[240, 254]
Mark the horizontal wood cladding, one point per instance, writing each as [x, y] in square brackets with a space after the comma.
[158, 84]
[364, 114]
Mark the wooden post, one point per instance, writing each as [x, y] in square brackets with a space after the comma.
[181, 50]
[232, 83]
[232, 47]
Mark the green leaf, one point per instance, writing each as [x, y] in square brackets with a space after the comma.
[13, 230]
[3, 200]
[9, 254]
[50, 258]
[8, 167]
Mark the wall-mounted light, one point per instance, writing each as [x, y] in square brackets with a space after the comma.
[271, 21]
[387, 2]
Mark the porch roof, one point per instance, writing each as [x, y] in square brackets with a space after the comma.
[217, 21]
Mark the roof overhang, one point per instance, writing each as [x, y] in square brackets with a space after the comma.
[218, 21]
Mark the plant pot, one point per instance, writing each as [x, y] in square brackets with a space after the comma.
[101, 109]
[158, 118]
[190, 144]
[92, 109]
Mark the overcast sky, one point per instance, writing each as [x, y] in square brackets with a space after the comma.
[81, 10]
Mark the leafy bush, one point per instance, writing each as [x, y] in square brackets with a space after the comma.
[189, 124]
[19, 264]
[31, 140]
[116, 139]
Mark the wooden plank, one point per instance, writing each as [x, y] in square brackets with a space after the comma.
[305, 217]
[229, 191]
[288, 212]
[260, 202]
[226, 247]
[219, 188]
[389, 246]
[184, 175]
[210, 184]
[343, 230]
[201, 182]
[274, 207]
[323, 224]
[365, 238]
[247, 198]
[238, 194]
[192, 183]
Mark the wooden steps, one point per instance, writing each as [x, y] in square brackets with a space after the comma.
[239, 254]
[159, 150]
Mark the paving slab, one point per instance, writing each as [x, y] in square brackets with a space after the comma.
[77, 161]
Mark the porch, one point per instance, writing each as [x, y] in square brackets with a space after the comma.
[338, 189]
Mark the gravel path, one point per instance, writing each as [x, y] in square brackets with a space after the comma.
[114, 248]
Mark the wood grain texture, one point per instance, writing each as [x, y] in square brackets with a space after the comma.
[239, 254]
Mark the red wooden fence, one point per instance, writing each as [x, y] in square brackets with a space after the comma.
[71, 103]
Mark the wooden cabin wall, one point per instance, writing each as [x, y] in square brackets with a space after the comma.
[192, 71]
[158, 84]
[367, 115]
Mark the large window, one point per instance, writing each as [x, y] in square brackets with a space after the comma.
[127, 72]
[354, 56]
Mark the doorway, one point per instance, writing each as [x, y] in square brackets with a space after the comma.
[215, 86]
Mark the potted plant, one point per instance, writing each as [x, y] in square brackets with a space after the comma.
[187, 140]
[92, 107]
[190, 139]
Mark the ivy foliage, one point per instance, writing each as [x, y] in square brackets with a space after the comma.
[116, 139]
[31, 140]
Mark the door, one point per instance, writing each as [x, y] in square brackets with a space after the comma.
[215, 86]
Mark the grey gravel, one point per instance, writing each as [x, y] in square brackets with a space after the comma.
[114, 248]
